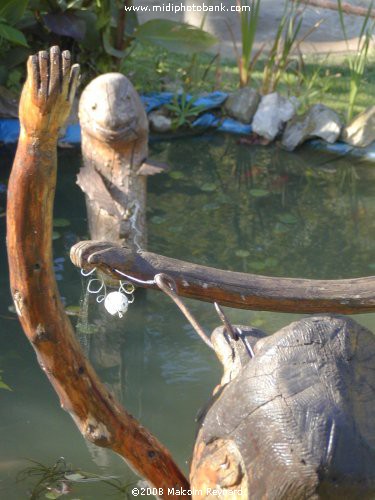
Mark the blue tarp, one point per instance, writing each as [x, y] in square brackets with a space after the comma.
[9, 128]
[209, 120]
[155, 100]
[341, 148]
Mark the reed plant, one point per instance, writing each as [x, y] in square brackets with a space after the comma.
[357, 62]
[249, 15]
[285, 45]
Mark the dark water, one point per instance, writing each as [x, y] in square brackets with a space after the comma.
[223, 204]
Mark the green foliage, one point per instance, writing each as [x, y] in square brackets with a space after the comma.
[100, 33]
[11, 34]
[183, 110]
[357, 63]
[174, 36]
[11, 12]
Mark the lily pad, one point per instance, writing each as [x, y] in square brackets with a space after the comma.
[271, 262]
[72, 310]
[208, 187]
[242, 254]
[287, 218]
[280, 229]
[3, 385]
[259, 193]
[158, 219]
[176, 174]
[87, 329]
[258, 265]
[61, 223]
[74, 477]
[56, 235]
[210, 206]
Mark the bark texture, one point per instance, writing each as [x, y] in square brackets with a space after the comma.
[244, 291]
[304, 427]
[114, 147]
[45, 104]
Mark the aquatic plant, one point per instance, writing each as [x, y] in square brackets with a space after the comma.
[184, 109]
[61, 478]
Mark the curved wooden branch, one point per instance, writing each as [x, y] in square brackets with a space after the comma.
[244, 291]
[98, 416]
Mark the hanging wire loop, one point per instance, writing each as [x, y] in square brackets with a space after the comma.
[134, 280]
[168, 286]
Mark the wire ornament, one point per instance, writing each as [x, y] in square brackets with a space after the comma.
[115, 303]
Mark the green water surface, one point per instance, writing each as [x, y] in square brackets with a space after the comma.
[223, 204]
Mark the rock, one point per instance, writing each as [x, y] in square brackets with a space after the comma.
[319, 121]
[361, 131]
[159, 122]
[296, 419]
[242, 105]
[273, 111]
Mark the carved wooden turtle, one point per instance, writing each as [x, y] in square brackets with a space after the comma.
[297, 420]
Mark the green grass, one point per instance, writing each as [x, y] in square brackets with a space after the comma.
[152, 69]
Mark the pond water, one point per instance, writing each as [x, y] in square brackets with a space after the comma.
[223, 204]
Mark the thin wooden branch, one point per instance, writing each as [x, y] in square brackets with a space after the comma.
[240, 290]
[98, 416]
[346, 7]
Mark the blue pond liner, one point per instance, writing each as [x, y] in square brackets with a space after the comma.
[155, 100]
[10, 130]
[9, 127]
[343, 149]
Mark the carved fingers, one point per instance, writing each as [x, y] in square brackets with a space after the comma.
[51, 74]
[49, 92]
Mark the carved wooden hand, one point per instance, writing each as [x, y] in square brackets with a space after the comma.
[48, 93]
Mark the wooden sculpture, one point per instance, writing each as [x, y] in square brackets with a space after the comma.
[45, 104]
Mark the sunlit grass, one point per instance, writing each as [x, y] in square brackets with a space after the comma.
[154, 70]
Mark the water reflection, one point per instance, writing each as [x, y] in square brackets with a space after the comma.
[223, 204]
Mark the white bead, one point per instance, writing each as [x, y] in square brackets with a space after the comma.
[116, 303]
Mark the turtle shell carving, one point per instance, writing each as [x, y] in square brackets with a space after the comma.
[297, 421]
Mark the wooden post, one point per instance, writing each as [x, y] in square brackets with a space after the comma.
[114, 146]
[45, 104]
